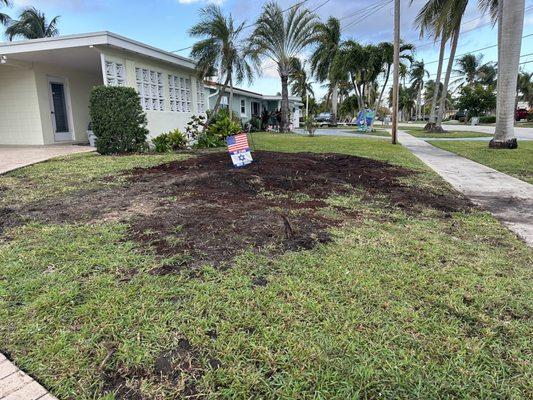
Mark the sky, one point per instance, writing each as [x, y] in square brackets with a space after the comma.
[165, 23]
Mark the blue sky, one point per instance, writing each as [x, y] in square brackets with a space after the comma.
[164, 24]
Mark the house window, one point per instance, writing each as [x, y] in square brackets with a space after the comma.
[243, 107]
[200, 96]
[115, 74]
[150, 88]
[180, 93]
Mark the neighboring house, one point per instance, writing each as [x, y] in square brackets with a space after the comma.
[45, 85]
[247, 104]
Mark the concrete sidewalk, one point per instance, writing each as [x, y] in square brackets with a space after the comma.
[16, 385]
[507, 198]
[14, 157]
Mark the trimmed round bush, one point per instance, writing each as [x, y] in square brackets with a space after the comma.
[118, 120]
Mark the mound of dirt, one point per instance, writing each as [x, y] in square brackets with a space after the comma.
[202, 210]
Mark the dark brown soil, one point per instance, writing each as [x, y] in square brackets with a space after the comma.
[203, 210]
[181, 368]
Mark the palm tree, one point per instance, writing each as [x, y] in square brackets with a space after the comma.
[512, 21]
[32, 24]
[386, 49]
[298, 80]
[281, 37]
[418, 74]
[220, 50]
[4, 18]
[473, 71]
[328, 36]
[524, 87]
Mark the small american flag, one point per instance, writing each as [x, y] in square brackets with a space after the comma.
[237, 142]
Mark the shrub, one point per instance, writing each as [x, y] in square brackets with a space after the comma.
[310, 125]
[487, 119]
[530, 116]
[196, 126]
[219, 128]
[161, 143]
[118, 121]
[255, 124]
[171, 141]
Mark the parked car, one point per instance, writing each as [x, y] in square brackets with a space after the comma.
[325, 119]
[460, 115]
[520, 113]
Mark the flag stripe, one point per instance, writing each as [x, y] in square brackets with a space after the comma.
[237, 142]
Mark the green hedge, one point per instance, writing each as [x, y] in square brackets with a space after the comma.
[487, 119]
[118, 121]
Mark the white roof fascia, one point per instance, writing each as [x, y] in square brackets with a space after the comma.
[94, 39]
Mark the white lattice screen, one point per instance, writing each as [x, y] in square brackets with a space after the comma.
[200, 95]
[115, 74]
[180, 93]
[150, 88]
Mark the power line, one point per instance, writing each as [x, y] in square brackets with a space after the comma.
[472, 51]
[367, 14]
[250, 25]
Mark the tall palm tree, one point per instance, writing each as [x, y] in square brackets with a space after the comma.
[328, 36]
[298, 80]
[32, 24]
[281, 37]
[4, 18]
[512, 22]
[386, 49]
[418, 73]
[221, 51]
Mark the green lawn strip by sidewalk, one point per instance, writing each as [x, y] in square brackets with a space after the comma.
[70, 173]
[516, 162]
[397, 306]
[419, 132]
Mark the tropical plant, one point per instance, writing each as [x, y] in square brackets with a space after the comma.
[4, 18]
[476, 100]
[524, 87]
[386, 51]
[472, 71]
[328, 36]
[298, 80]
[32, 24]
[170, 141]
[280, 37]
[418, 73]
[510, 28]
[220, 50]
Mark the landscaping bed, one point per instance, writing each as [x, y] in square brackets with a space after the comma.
[330, 268]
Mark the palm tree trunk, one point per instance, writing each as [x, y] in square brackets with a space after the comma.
[219, 98]
[284, 102]
[334, 102]
[442, 102]
[419, 103]
[387, 75]
[230, 106]
[512, 21]
[432, 116]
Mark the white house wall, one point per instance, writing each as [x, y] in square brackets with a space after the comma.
[20, 121]
[79, 85]
[158, 121]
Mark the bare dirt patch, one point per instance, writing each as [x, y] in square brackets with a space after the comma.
[202, 210]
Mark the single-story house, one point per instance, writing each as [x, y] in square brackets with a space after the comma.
[45, 85]
[248, 104]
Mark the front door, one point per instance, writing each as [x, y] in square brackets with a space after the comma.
[59, 110]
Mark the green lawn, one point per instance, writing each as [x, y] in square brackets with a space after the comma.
[419, 132]
[429, 304]
[518, 162]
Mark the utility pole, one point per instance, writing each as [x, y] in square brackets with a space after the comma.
[395, 76]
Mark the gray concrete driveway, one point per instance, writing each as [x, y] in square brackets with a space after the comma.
[14, 157]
